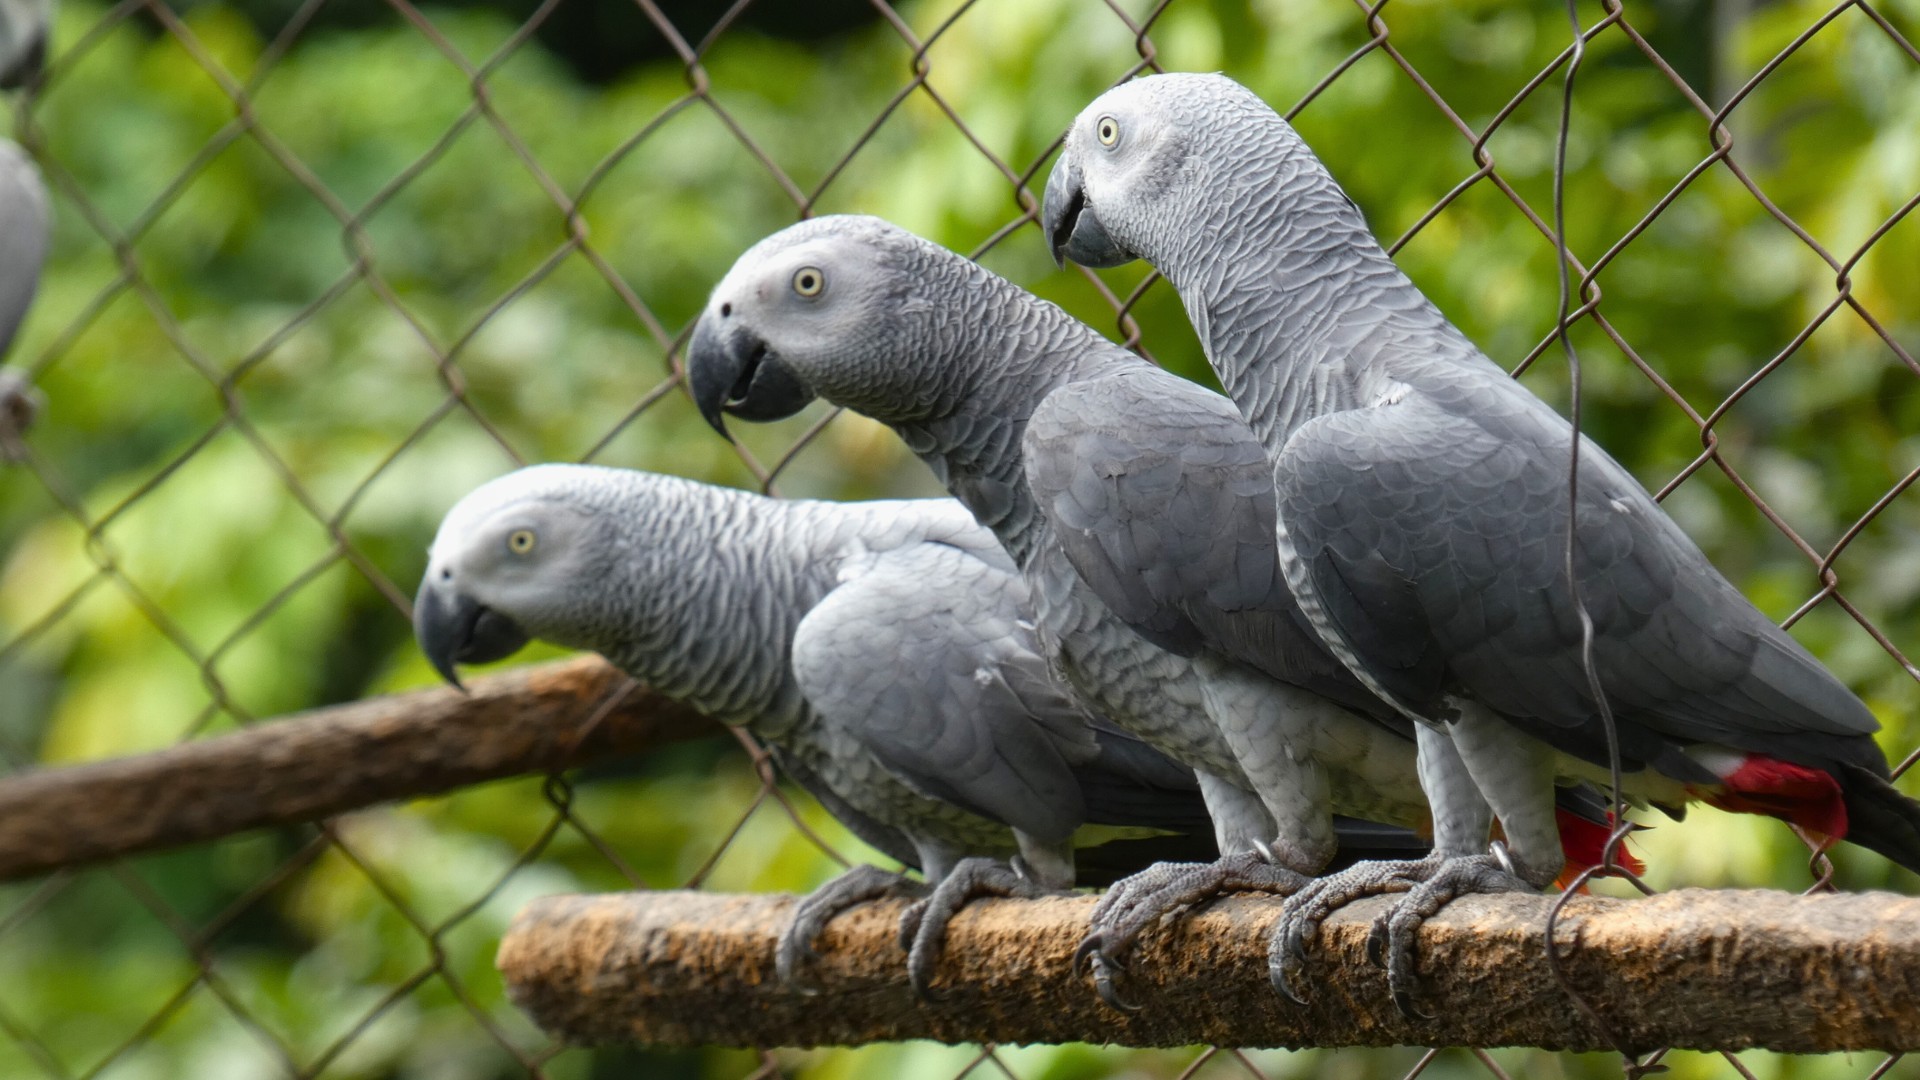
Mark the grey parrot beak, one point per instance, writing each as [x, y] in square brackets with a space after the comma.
[731, 371]
[453, 629]
[1073, 229]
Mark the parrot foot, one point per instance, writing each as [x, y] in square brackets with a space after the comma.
[1136, 902]
[1429, 884]
[923, 928]
[818, 908]
[1304, 911]
[1391, 941]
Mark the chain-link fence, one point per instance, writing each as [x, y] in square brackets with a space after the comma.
[320, 268]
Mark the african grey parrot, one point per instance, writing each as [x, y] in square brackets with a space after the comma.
[1423, 519]
[25, 231]
[879, 649]
[1137, 504]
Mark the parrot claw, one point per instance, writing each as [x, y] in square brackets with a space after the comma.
[1090, 947]
[923, 927]
[910, 922]
[1104, 969]
[790, 961]
[811, 915]
[1377, 943]
[1403, 1001]
[1397, 929]
[1286, 956]
[1137, 902]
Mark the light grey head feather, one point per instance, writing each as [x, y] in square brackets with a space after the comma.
[1159, 165]
[681, 584]
[950, 355]
[1270, 257]
[876, 334]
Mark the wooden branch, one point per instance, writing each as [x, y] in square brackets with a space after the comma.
[1696, 968]
[313, 765]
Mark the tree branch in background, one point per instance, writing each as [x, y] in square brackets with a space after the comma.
[317, 764]
[1696, 969]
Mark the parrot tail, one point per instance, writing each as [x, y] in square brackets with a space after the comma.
[1849, 802]
[1804, 795]
[1880, 818]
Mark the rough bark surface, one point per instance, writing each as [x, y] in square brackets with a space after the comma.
[313, 765]
[1696, 968]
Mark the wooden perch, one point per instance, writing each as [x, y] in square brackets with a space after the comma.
[313, 765]
[1696, 969]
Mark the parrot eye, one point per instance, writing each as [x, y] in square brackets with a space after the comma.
[520, 541]
[1107, 131]
[808, 281]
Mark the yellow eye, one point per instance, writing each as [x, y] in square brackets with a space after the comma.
[520, 541]
[1107, 130]
[808, 281]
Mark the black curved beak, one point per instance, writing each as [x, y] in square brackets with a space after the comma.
[452, 629]
[731, 372]
[1073, 229]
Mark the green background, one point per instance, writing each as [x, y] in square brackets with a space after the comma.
[170, 552]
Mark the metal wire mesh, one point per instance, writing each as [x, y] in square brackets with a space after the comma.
[65, 499]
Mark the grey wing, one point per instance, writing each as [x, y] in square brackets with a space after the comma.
[24, 234]
[951, 523]
[1163, 501]
[1428, 538]
[900, 523]
[875, 834]
[923, 659]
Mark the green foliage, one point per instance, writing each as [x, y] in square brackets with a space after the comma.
[221, 433]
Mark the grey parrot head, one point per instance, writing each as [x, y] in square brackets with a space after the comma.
[1140, 162]
[508, 566]
[826, 308]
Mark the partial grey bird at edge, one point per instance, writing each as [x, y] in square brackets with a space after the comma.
[877, 649]
[25, 234]
[26, 26]
[1423, 519]
[1138, 506]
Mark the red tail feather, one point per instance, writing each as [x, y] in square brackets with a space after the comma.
[1807, 797]
[1584, 842]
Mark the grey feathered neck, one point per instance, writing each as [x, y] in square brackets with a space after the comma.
[993, 352]
[1296, 303]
